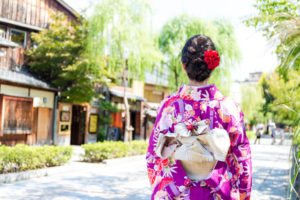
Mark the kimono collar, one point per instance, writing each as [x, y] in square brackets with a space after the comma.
[197, 93]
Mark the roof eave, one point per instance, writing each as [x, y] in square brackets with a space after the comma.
[3, 81]
[20, 24]
[7, 43]
[68, 7]
[129, 96]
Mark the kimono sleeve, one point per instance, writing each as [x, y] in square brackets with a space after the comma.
[164, 121]
[239, 155]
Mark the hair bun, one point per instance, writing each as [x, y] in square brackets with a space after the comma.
[191, 49]
[197, 61]
[192, 56]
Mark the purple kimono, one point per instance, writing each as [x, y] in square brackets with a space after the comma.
[228, 180]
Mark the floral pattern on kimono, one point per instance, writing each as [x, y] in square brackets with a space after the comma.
[229, 180]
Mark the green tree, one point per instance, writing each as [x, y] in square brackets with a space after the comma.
[286, 94]
[279, 21]
[120, 41]
[269, 98]
[252, 101]
[175, 33]
[287, 32]
[106, 108]
[57, 57]
[268, 9]
[281, 25]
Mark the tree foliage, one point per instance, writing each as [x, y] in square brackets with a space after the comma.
[281, 98]
[287, 31]
[175, 33]
[268, 9]
[58, 57]
[279, 19]
[252, 100]
[285, 105]
[269, 98]
[120, 41]
[120, 33]
[280, 22]
[106, 108]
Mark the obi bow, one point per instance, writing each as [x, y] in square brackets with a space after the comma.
[188, 128]
[195, 145]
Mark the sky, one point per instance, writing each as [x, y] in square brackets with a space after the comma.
[257, 52]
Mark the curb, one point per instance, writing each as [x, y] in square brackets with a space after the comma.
[68, 167]
[20, 176]
[26, 175]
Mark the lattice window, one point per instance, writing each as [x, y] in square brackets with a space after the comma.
[17, 115]
[2, 32]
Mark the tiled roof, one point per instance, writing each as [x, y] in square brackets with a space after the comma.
[151, 113]
[23, 77]
[157, 78]
[8, 43]
[129, 95]
[68, 7]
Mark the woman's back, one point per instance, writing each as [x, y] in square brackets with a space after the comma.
[195, 104]
[229, 178]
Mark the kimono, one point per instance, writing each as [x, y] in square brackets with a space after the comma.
[230, 179]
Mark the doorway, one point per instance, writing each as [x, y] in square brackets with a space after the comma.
[133, 123]
[78, 125]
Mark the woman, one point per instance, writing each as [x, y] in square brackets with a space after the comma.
[192, 106]
[259, 132]
[258, 135]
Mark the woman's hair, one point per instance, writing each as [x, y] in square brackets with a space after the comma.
[192, 56]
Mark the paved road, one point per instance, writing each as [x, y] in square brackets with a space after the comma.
[270, 170]
[126, 179]
[118, 180]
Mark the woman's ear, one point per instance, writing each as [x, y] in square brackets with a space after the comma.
[183, 66]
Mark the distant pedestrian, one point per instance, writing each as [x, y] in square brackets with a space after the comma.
[290, 132]
[258, 133]
[281, 134]
[273, 134]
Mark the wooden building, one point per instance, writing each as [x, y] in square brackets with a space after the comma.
[19, 18]
[26, 108]
[26, 103]
[29, 112]
[155, 90]
[76, 123]
[143, 98]
[135, 102]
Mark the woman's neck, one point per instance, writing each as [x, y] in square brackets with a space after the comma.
[196, 83]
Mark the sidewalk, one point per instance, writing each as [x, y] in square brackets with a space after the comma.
[126, 179]
[270, 170]
[123, 179]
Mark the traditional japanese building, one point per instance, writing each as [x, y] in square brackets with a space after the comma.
[144, 98]
[155, 90]
[27, 104]
[136, 104]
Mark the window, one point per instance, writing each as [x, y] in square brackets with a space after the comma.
[17, 115]
[64, 116]
[18, 37]
[2, 32]
[93, 123]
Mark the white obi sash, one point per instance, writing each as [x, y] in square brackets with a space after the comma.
[198, 149]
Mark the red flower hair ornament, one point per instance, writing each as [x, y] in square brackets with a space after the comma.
[212, 59]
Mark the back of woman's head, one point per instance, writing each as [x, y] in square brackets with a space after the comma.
[192, 56]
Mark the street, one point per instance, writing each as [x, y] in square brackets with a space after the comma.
[126, 179]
